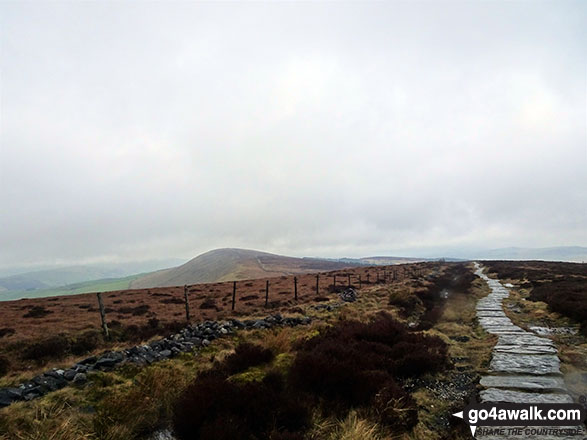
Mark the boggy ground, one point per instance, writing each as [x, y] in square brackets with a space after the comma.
[131, 403]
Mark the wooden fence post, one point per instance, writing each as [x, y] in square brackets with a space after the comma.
[233, 293]
[187, 303]
[360, 282]
[103, 316]
[317, 285]
[368, 282]
[296, 288]
[377, 276]
[266, 293]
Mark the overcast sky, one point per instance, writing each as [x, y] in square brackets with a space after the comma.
[137, 130]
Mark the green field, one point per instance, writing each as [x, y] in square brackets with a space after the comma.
[103, 285]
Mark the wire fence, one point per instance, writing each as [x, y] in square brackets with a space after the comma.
[276, 291]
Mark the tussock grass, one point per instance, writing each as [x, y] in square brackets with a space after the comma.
[406, 300]
[279, 340]
[56, 417]
[143, 406]
[352, 427]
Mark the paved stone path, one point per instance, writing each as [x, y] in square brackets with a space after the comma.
[525, 368]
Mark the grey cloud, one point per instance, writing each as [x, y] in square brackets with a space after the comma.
[139, 130]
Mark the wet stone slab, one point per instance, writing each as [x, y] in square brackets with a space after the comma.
[525, 349]
[489, 303]
[526, 364]
[488, 307]
[526, 382]
[524, 339]
[504, 330]
[491, 313]
[494, 320]
[499, 395]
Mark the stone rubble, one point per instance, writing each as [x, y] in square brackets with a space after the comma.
[349, 295]
[192, 337]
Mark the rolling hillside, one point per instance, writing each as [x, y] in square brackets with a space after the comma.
[101, 285]
[52, 278]
[234, 264]
[572, 254]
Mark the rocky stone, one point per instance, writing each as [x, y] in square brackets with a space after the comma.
[165, 353]
[69, 374]
[106, 363]
[57, 374]
[15, 393]
[80, 378]
[349, 295]
[110, 359]
[238, 324]
[89, 360]
[32, 391]
[6, 398]
[49, 383]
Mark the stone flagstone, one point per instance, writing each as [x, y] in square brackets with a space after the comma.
[538, 383]
[525, 367]
[499, 395]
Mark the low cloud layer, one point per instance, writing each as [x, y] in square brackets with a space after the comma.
[136, 130]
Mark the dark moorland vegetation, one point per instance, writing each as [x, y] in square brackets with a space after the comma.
[350, 365]
[563, 286]
[56, 347]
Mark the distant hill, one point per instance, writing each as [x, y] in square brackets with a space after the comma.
[573, 254]
[235, 264]
[103, 285]
[65, 276]
[387, 261]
